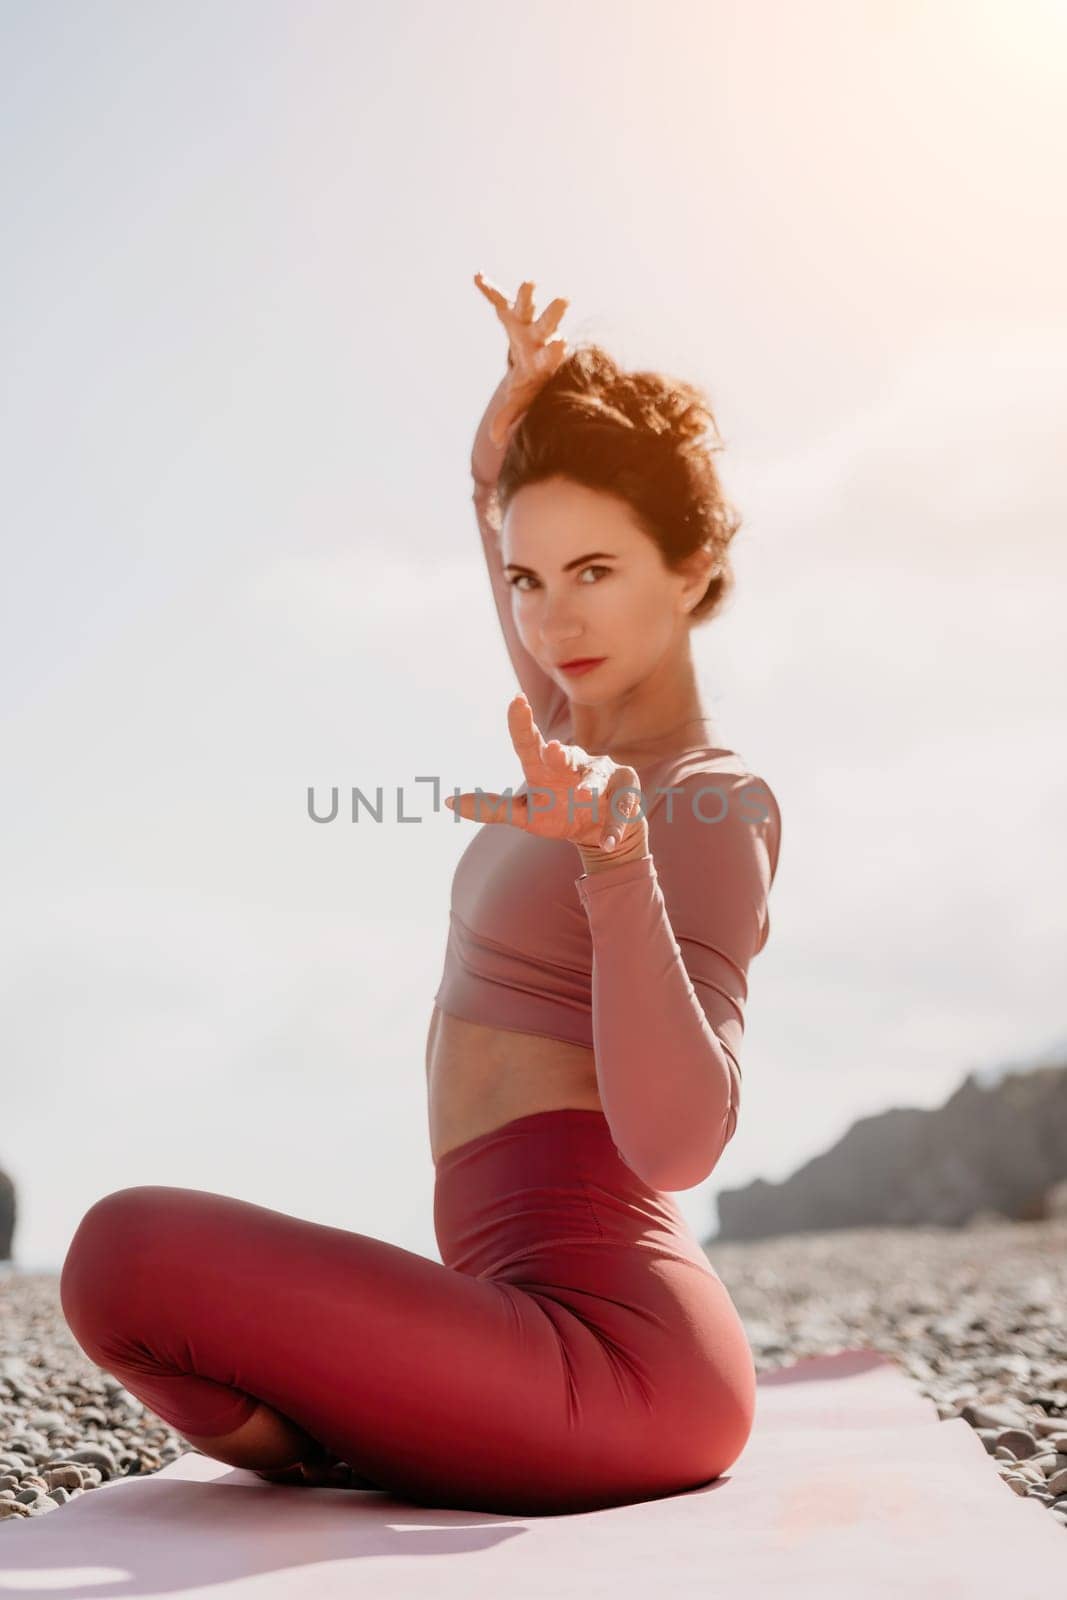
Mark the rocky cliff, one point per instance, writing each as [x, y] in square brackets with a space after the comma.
[998, 1150]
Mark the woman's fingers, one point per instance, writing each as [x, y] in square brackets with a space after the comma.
[540, 759]
[504, 312]
[491, 292]
[622, 807]
[560, 777]
[614, 811]
[481, 806]
[533, 355]
[551, 317]
[557, 352]
[522, 311]
[525, 734]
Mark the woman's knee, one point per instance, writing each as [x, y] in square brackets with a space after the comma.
[116, 1236]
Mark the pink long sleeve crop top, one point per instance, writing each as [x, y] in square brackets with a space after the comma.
[646, 964]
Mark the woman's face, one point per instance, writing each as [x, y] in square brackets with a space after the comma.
[587, 581]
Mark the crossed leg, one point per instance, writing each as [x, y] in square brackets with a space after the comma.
[224, 1316]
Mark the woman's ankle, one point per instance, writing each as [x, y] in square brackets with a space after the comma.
[267, 1440]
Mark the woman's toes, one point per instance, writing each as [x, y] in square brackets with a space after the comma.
[293, 1474]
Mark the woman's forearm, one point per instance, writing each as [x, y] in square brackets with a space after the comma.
[487, 457]
[670, 1091]
[546, 697]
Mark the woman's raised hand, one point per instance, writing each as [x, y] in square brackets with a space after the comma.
[533, 356]
[561, 803]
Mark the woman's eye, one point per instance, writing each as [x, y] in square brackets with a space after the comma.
[519, 576]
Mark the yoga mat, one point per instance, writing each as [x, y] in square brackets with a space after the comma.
[849, 1483]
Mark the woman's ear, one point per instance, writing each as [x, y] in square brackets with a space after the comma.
[699, 569]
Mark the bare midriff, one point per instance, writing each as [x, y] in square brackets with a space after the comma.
[478, 1078]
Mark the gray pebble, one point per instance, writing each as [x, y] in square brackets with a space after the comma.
[92, 1455]
[63, 1477]
[50, 1421]
[1020, 1443]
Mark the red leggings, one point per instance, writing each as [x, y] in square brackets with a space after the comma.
[573, 1349]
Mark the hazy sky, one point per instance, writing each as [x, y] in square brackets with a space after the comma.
[243, 363]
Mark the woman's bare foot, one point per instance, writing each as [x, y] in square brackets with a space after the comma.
[326, 1473]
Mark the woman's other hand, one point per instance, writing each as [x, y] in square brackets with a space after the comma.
[533, 355]
[561, 803]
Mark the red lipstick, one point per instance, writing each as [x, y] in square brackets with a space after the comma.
[581, 664]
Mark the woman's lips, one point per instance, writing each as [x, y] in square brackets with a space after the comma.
[575, 667]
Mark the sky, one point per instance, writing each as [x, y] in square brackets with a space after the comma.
[244, 361]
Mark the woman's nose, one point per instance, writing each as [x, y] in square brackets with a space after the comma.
[559, 623]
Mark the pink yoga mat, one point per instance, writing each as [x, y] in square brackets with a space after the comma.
[849, 1484]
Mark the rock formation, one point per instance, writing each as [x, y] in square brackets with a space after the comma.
[999, 1149]
[7, 1215]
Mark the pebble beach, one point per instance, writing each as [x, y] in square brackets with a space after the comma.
[977, 1318]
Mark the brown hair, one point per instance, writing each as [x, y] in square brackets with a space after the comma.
[642, 436]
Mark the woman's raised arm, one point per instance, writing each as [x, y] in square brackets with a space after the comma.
[532, 358]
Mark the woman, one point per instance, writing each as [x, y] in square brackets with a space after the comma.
[574, 1348]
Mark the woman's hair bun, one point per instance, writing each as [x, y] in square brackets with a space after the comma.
[643, 435]
[591, 379]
